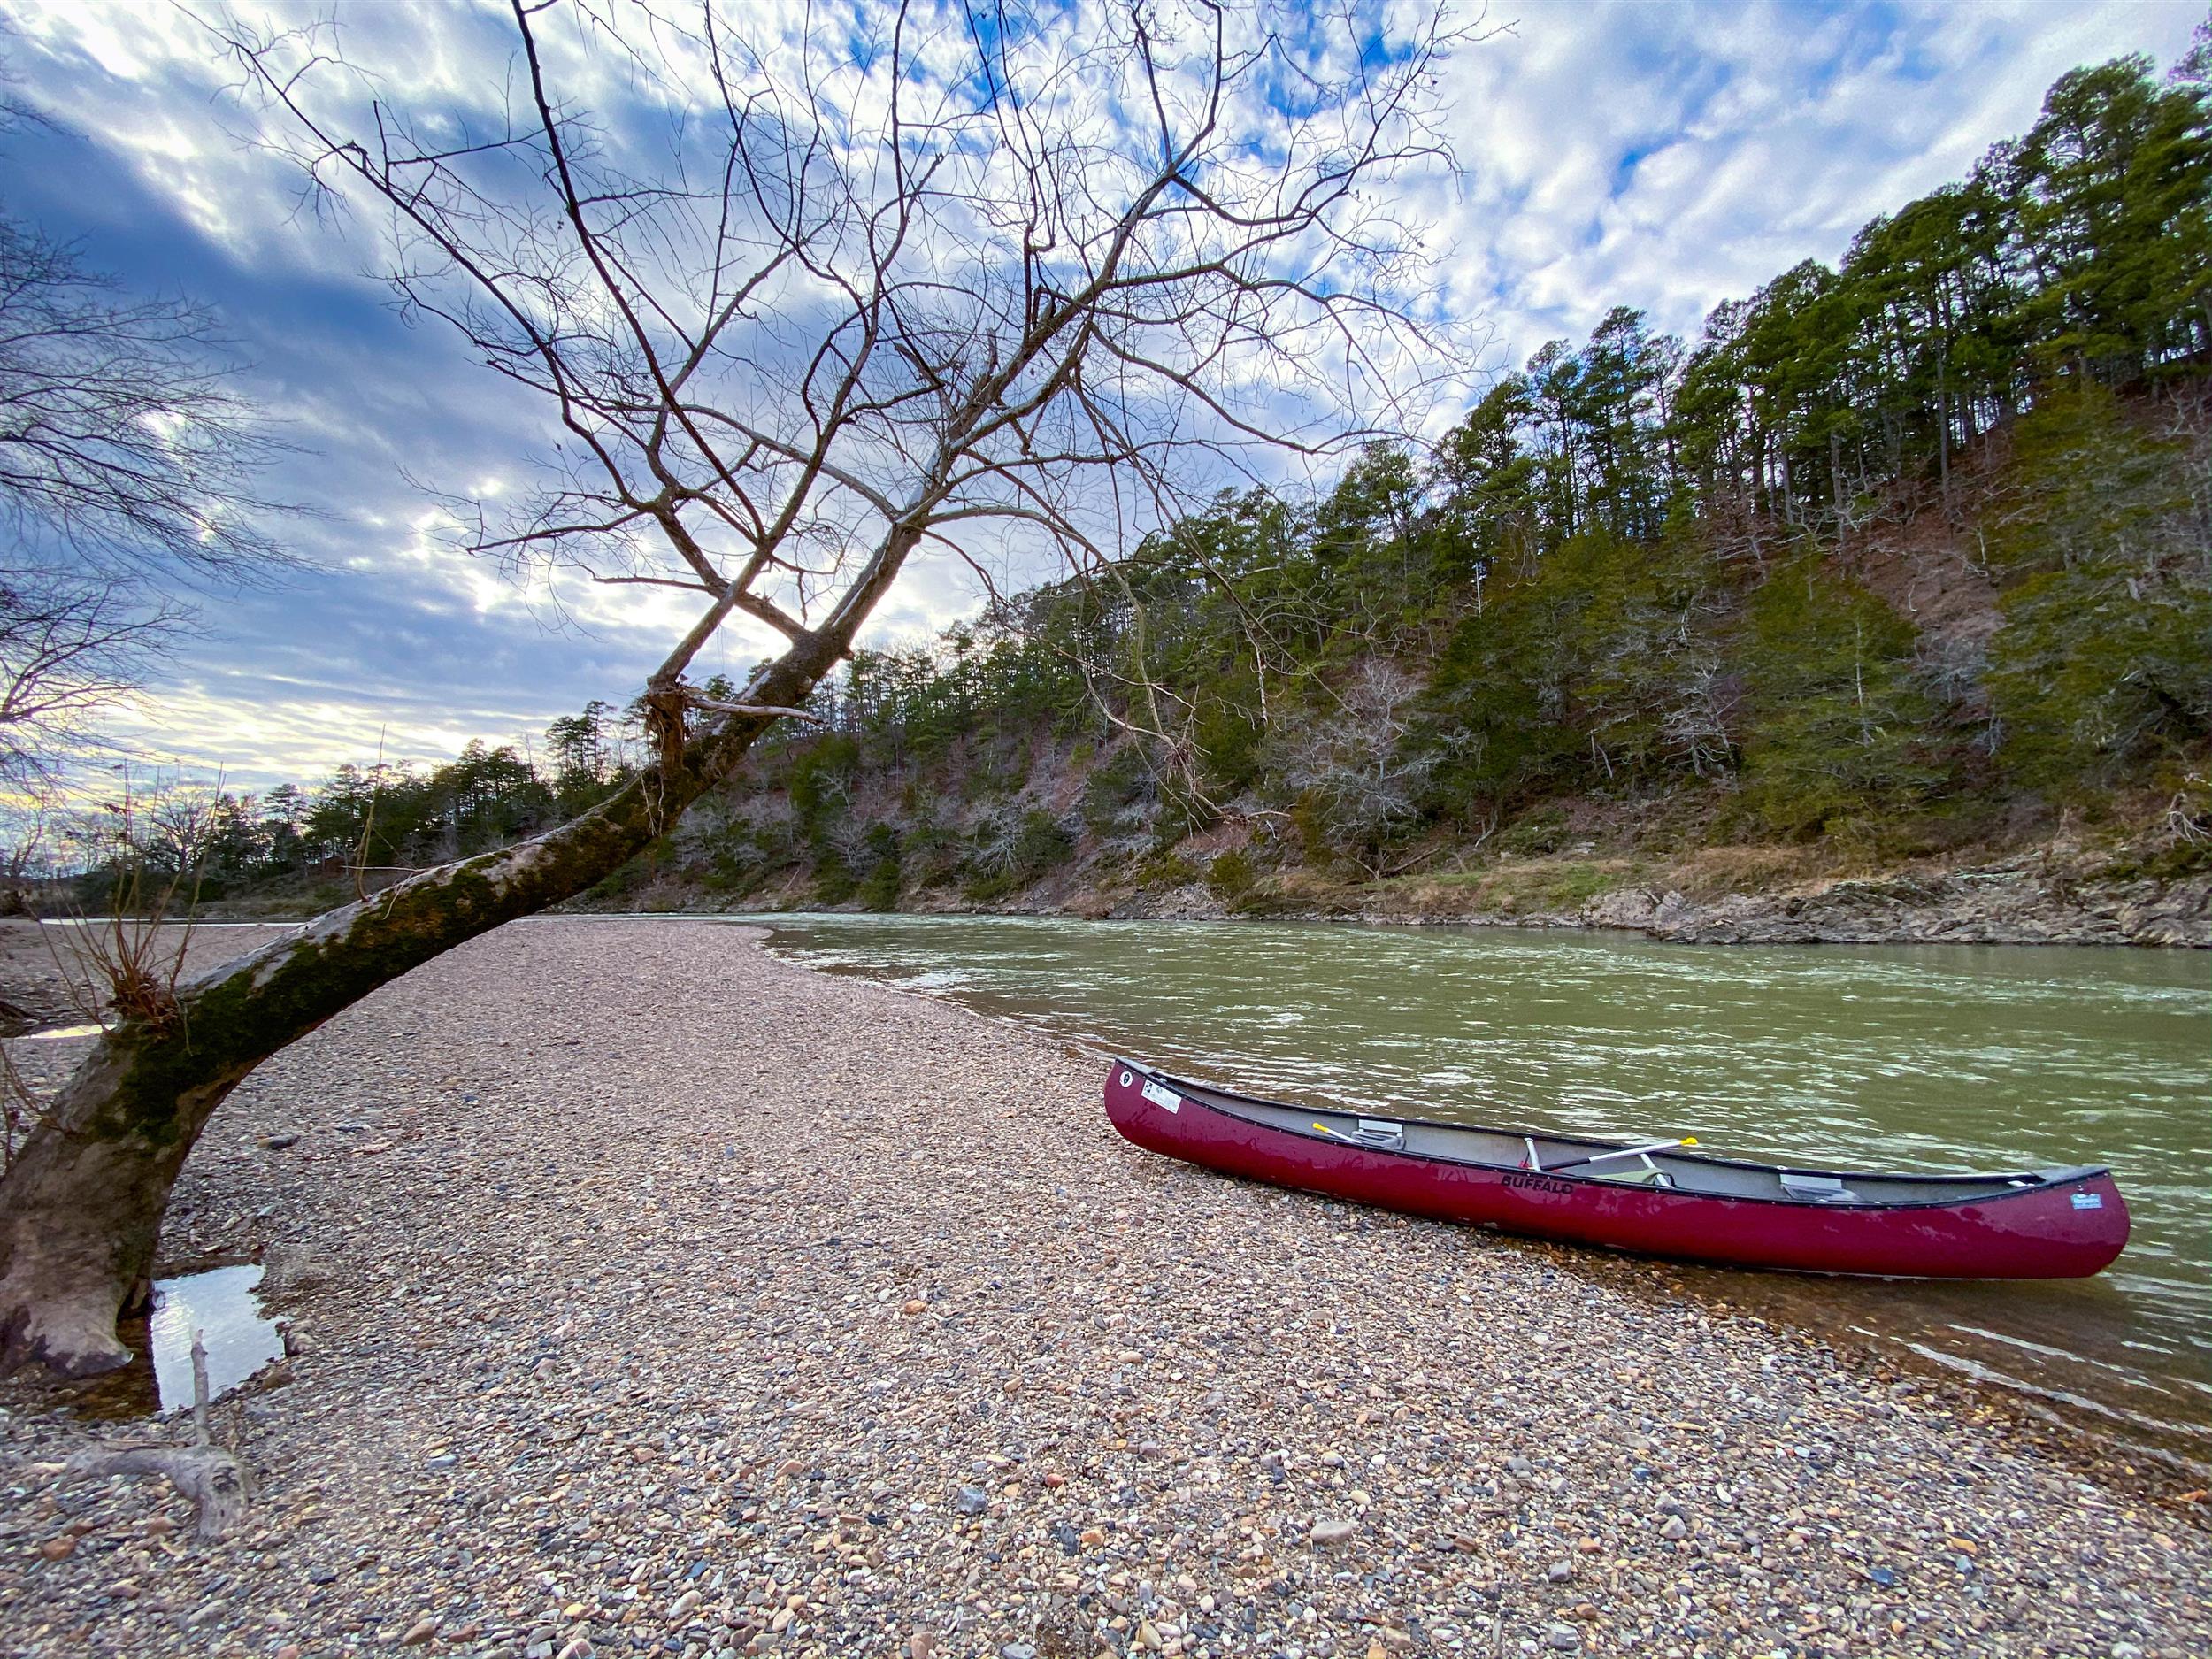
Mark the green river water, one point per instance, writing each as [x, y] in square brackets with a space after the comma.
[1914, 1057]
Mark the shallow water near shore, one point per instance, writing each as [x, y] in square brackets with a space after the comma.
[1921, 1058]
[218, 1306]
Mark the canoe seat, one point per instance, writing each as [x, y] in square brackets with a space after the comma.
[1820, 1188]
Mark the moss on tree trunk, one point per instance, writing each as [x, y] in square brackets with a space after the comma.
[80, 1210]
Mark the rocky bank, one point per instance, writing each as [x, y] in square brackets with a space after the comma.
[2022, 901]
[652, 1295]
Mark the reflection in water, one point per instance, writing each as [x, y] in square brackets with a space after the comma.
[1923, 1058]
[220, 1305]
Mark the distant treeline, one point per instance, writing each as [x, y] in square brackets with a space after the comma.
[1905, 555]
[378, 820]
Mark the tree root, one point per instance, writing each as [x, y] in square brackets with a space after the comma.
[213, 1478]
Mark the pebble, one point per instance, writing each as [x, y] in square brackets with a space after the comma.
[648, 1289]
[1565, 1638]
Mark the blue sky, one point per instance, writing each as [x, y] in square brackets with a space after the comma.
[1661, 155]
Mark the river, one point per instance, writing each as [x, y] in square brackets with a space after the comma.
[1910, 1057]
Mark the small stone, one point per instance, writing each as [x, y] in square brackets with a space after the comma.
[578, 1649]
[58, 1549]
[1565, 1638]
[913, 1305]
[1091, 1537]
[1332, 1530]
[792, 1467]
[1559, 1572]
[921, 1645]
[1882, 1576]
[421, 1631]
[1018, 1650]
[291, 1650]
[971, 1501]
[157, 1525]
[440, 1460]
[322, 1575]
[277, 1143]
[1676, 1529]
[1056, 1480]
[685, 1603]
[1520, 1465]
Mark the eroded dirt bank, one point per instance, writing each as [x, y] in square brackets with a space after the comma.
[653, 1296]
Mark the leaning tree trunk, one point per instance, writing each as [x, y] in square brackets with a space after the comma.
[81, 1209]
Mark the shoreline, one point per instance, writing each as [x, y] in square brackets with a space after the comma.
[2105, 1440]
[633, 1255]
[2021, 903]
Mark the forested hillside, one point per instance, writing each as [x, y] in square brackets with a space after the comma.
[1907, 560]
[1902, 559]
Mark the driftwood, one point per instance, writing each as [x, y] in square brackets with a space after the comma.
[212, 1478]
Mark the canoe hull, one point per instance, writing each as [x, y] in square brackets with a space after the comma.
[2065, 1230]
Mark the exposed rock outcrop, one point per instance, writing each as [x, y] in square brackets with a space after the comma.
[2013, 905]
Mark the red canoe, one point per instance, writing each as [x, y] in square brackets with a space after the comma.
[2050, 1223]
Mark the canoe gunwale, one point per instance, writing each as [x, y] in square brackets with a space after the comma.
[2021, 1184]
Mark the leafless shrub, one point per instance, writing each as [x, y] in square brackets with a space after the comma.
[125, 963]
[2189, 814]
[1355, 764]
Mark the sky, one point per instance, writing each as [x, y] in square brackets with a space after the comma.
[1665, 155]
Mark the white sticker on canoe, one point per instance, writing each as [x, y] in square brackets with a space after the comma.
[1161, 1096]
[2089, 1201]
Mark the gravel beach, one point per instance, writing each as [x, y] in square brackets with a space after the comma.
[653, 1295]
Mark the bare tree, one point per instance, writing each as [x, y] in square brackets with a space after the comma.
[823, 304]
[69, 647]
[124, 455]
